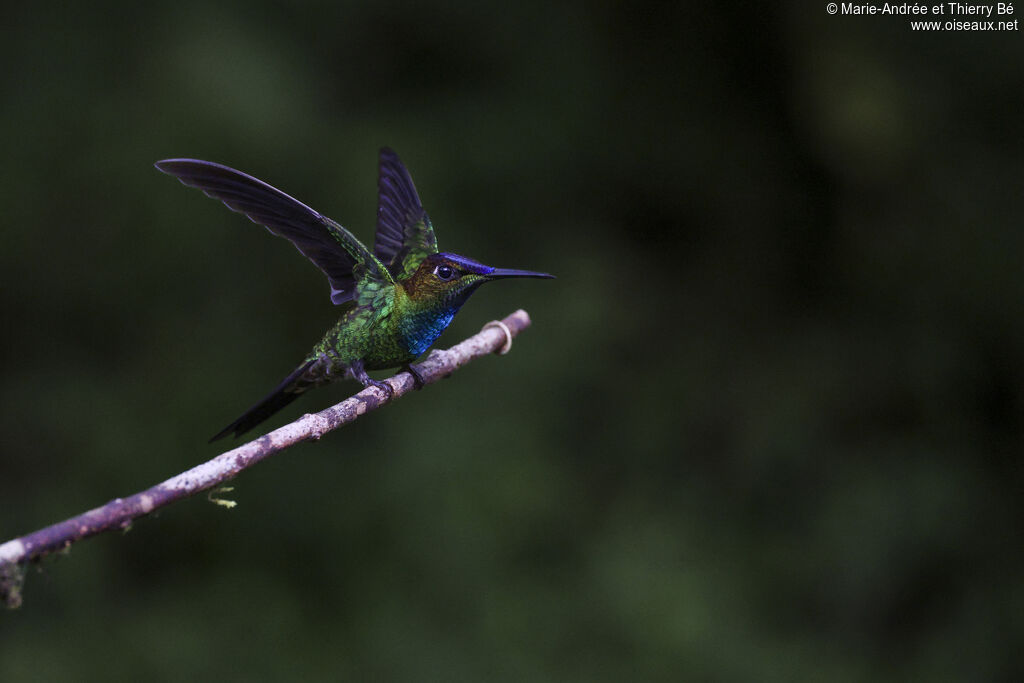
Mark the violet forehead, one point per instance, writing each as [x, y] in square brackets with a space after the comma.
[468, 263]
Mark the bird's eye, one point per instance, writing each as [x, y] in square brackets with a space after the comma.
[444, 272]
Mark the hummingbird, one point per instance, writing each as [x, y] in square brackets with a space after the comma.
[394, 301]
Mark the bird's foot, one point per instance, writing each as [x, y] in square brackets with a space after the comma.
[418, 382]
[387, 388]
[359, 373]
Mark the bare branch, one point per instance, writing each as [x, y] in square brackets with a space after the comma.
[119, 513]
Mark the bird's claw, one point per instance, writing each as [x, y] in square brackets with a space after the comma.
[383, 386]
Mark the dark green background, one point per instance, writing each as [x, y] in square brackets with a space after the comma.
[767, 425]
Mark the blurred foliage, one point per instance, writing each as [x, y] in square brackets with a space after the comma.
[767, 425]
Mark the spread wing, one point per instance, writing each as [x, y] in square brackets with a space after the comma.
[404, 233]
[332, 248]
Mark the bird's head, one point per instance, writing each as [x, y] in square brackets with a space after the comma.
[449, 279]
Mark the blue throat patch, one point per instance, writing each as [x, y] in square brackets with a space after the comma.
[425, 329]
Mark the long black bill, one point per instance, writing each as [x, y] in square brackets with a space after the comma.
[499, 273]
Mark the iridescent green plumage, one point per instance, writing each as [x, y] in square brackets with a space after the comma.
[396, 300]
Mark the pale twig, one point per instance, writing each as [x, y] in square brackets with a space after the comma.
[119, 513]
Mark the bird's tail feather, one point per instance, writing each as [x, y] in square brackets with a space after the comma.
[287, 391]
